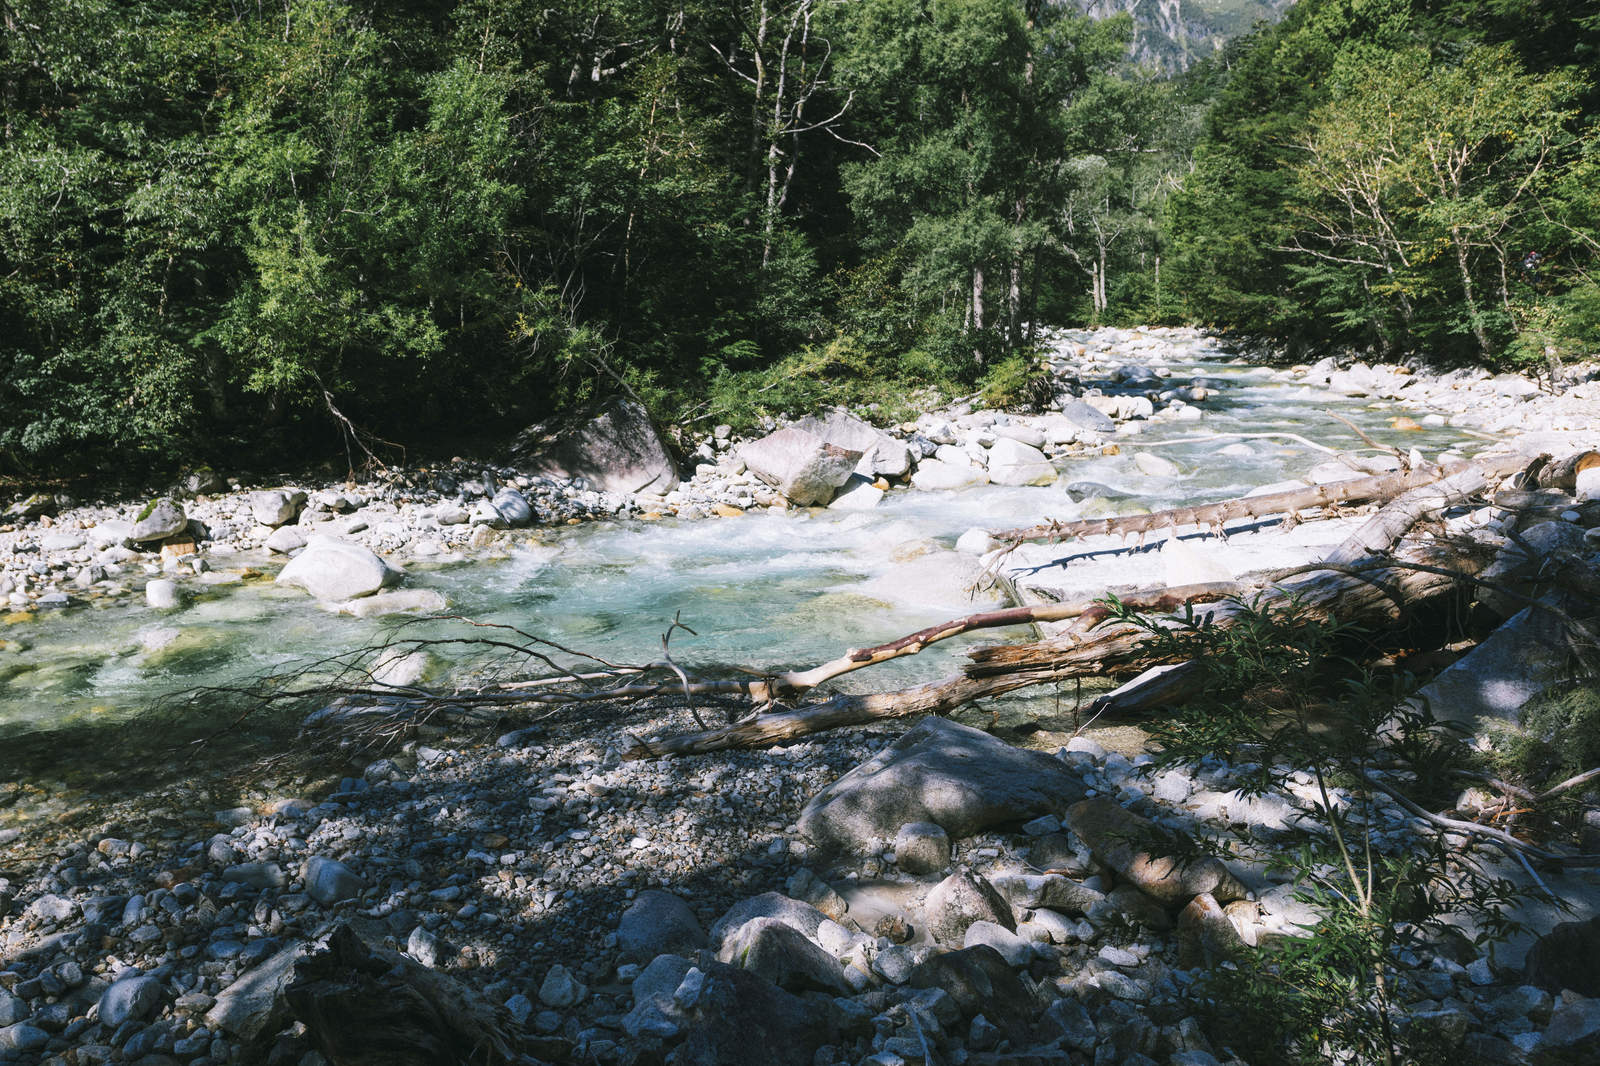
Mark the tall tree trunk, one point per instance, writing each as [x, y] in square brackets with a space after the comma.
[978, 300]
[1019, 211]
[1033, 295]
[1473, 314]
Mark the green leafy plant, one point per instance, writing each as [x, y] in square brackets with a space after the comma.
[1018, 380]
[1284, 683]
[1559, 737]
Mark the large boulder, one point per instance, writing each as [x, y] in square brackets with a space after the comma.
[333, 570]
[614, 447]
[36, 506]
[1206, 936]
[276, 507]
[1149, 858]
[656, 923]
[937, 475]
[735, 1018]
[1567, 957]
[512, 506]
[802, 917]
[1087, 418]
[1521, 659]
[255, 1004]
[958, 778]
[960, 900]
[881, 454]
[783, 955]
[161, 518]
[801, 465]
[130, 999]
[981, 982]
[656, 1010]
[1012, 462]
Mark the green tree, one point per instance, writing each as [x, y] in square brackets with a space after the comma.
[968, 103]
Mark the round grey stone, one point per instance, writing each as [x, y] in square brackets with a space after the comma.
[129, 999]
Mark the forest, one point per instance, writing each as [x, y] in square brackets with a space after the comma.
[229, 229]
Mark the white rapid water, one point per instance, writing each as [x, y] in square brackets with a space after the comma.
[766, 590]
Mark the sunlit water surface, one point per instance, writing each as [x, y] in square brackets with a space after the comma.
[765, 591]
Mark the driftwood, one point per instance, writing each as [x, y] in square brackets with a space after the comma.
[364, 1006]
[1563, 474]
[1376, 596]
[795, 682]
[1363, 585]
[1363, 589]
[1214, 516]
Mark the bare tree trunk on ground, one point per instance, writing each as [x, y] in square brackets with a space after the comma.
[1365, 588]
[1214, 515]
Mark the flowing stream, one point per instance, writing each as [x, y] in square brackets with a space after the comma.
[767, 590]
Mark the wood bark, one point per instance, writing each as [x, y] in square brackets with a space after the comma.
[1377, 596]
[1215, 515]
[1369, 583]
[1563, 474]
[364, 1007]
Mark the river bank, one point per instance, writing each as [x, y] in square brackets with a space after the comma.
[159, 925]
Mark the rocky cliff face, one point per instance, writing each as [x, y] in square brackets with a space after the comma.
[1174, 34]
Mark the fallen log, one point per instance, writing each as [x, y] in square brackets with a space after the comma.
[796, 682]
[1374, 596]
[1564, 473]
[1215, 516]
[1365, 587]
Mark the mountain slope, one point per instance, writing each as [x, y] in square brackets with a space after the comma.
[1174, 34]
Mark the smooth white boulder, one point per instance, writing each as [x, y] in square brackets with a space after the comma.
[858, 494]
[1155, 466]
[935, 474]
[333, 569]
[800, 465]
[1011, 462]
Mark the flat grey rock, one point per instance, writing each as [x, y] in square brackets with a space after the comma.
[255, 1003]
[1518, 661]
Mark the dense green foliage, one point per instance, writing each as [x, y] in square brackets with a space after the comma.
[233, 232]
[220, 224]
[1405, 176]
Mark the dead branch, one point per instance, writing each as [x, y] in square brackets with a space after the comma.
[1569, 783]
[1396, 518]
[1505, 841]
[1563, 474]
[1365, 587]
[1160, 599]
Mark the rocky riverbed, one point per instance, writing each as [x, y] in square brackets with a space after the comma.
[739, 907]
[797, 905]
[1112, 387]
